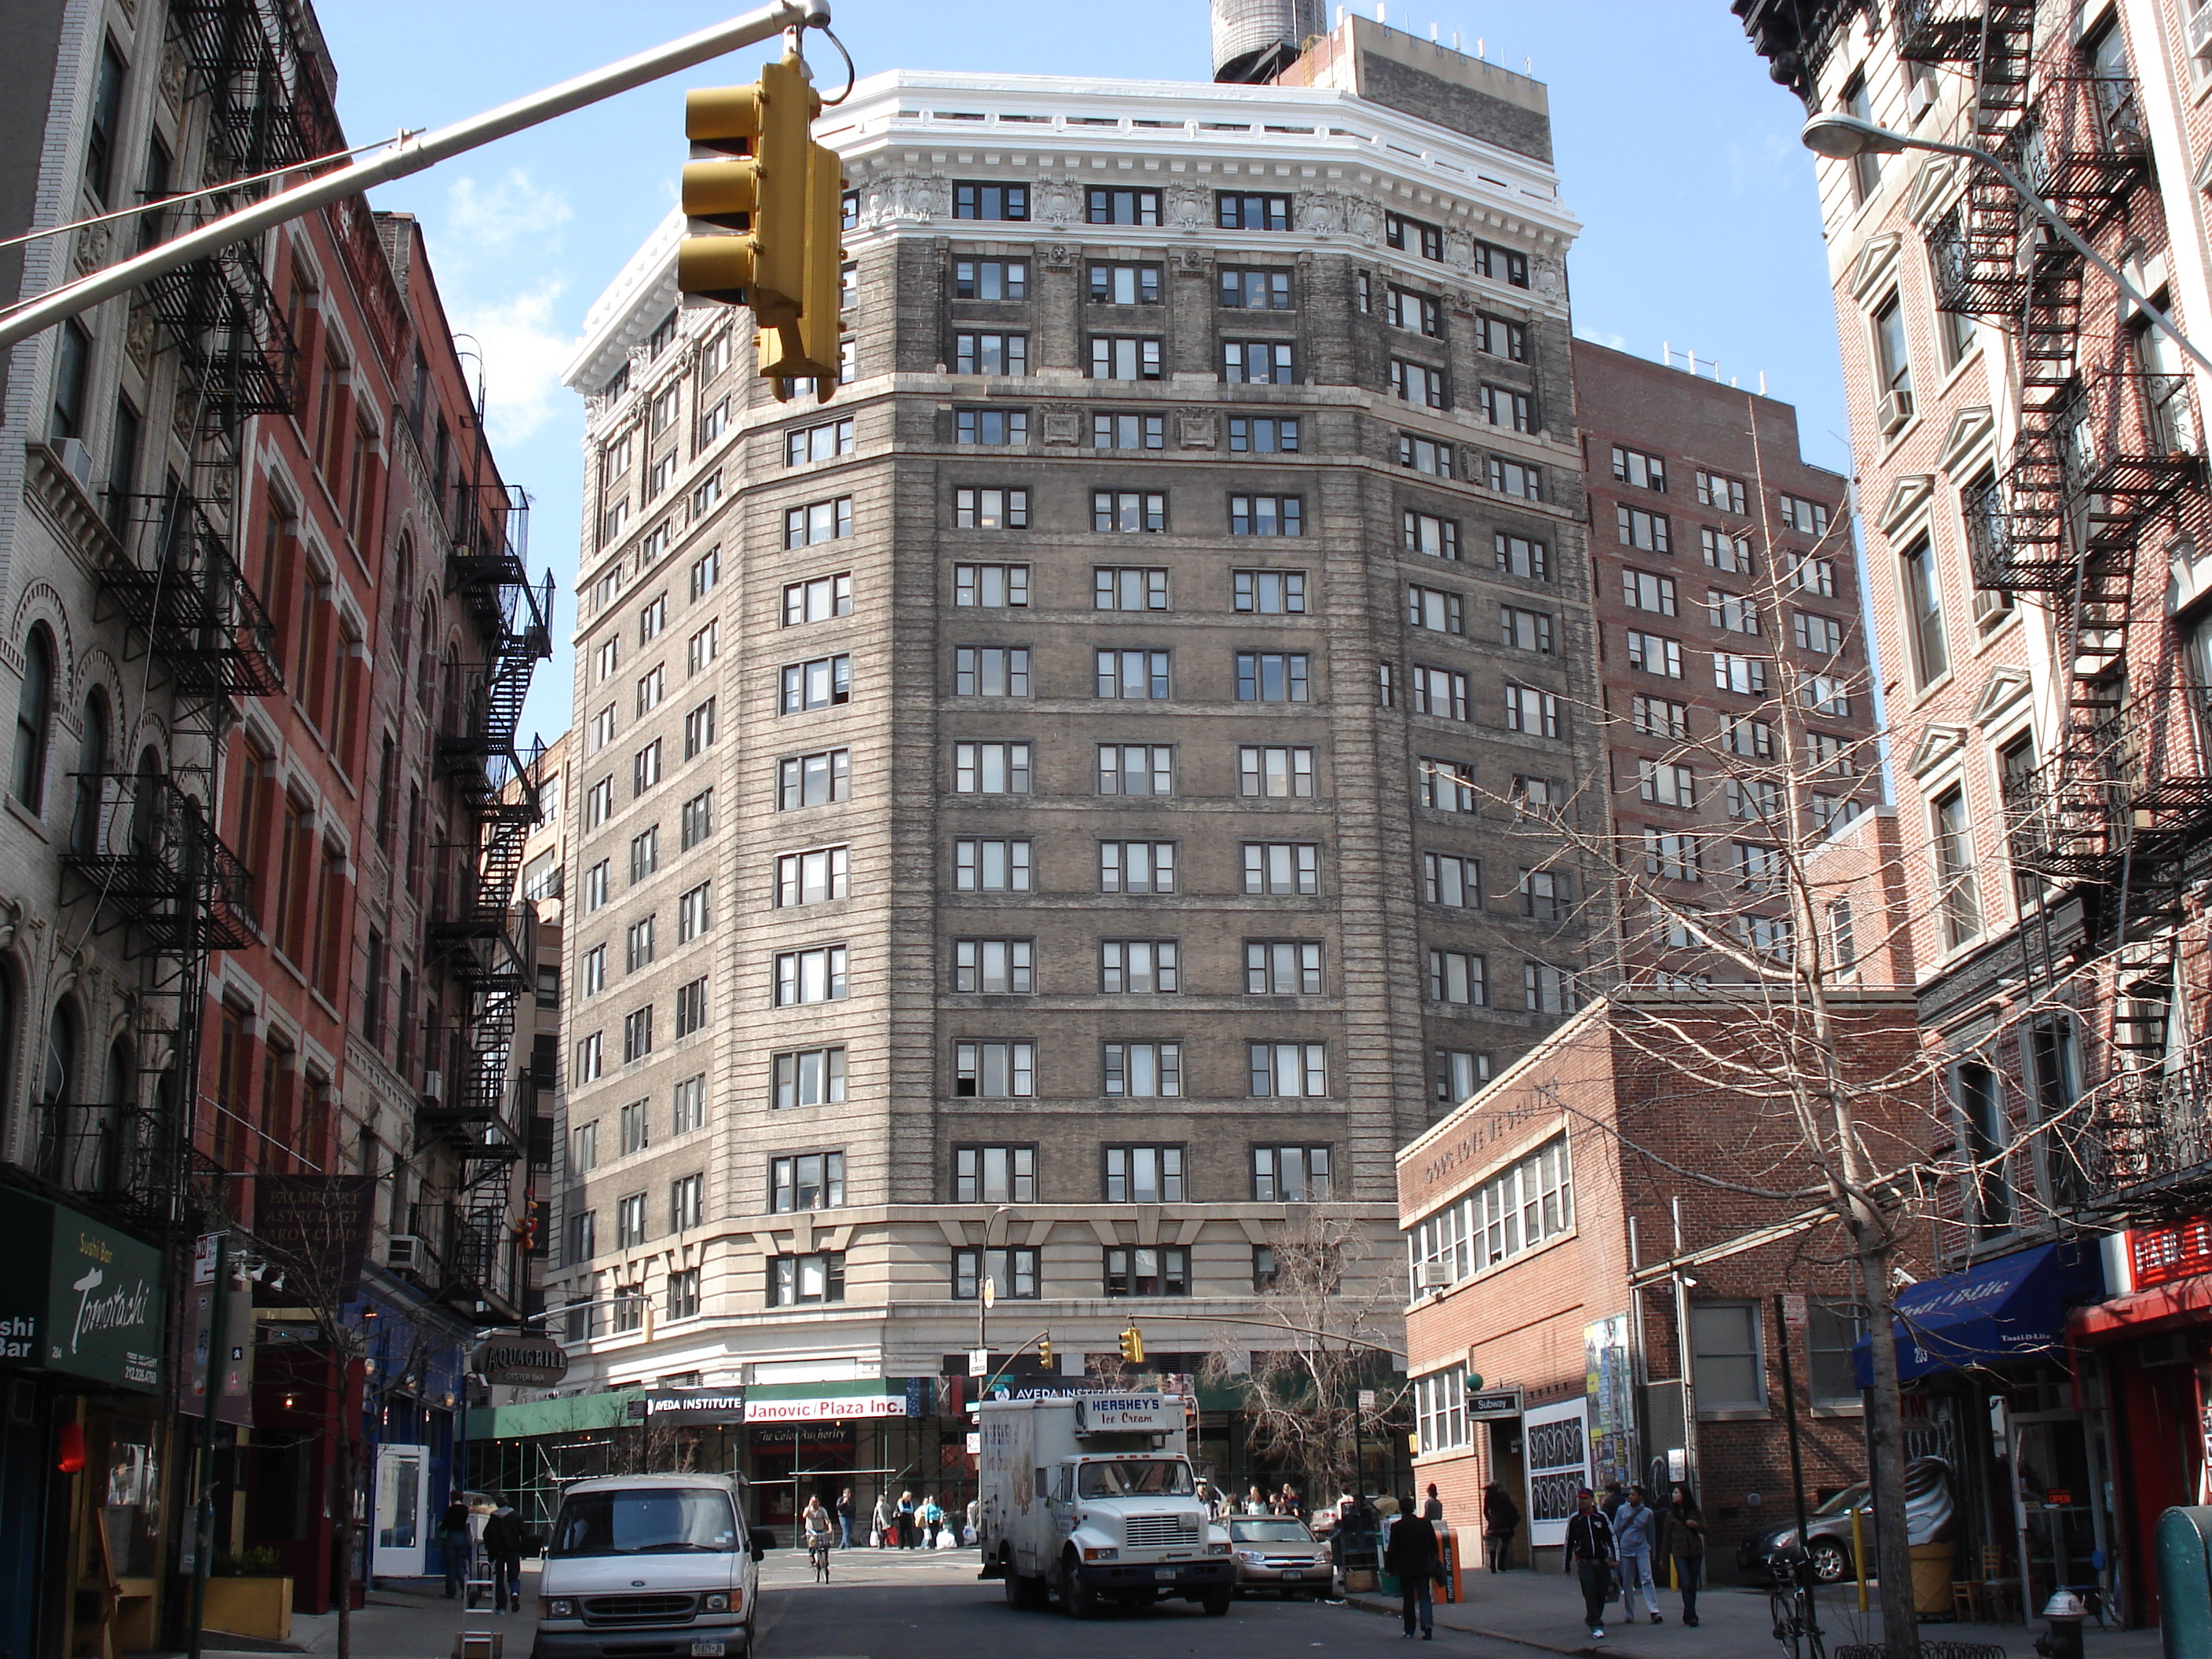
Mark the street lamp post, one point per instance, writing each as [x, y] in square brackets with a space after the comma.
[1839, 136]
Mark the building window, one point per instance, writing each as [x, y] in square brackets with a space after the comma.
[1832, 1330]
[1417, 313]
[1524, 630]
[684, 1292]
[1137, 967]
[1012, 1272]
[1280, 773]
[1136, 769]
[990, 769]
[1516, 478]
[1547, 989]
[1232, 211]
[993, 1175]
[1528, 709]
[688, 1105]
[990, 353]
[1142, 1174]
[1866, 166]
[1957, 896]
[1726, 1357]
[1282, 967]
[989, 509]
[819, 521]
[1424, 454]
[992, 967]
[814, 780]
[1418, 383]
[637, 1034]
[1451, 880]
[1439, 691]
[1923, 607]
[994, 1071]
[822, 684]
[796, 1280]
[687, 1203]
[805, 977]
[34, 713]
[1458, 976]
[699, 730]
[1501, 264]
[991, 586]
[1643, 471]
[1288, 1070]
[1263, 435]
[1141, 1071]
[1436, 610]
[1126, 285]
[1289, 1175]
[1247, 290]
[1136, 866]
[991, 671]
[1440, 1411]
[628, 1314]
[1459, 1073]
[1740, 674]
[630, 1222]
[1447, 786]
[1503, 406]
[809, 1077]
[1522, 1206]
[989, 201]
[1821, 636]
[991, 867]
[1106, 205]
[1412, 235]
[591, 1058]
[690, 1007]
[1648, 530]
[1266, 515]
[1128, 510]
[1148, 1272]
[1128, 587]
[990, 279]
[997, 427]
[1128, 431]
[1271, 677]
[1893, 363]
[810, 1180]
[1125, 357]
[1519, 557]
[825, 442]
[1282, 868]
[1131, 675]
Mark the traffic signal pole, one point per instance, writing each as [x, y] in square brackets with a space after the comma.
[411, 156]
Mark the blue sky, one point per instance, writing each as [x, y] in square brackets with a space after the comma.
[1677, 152]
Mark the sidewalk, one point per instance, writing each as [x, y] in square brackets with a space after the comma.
[397, 1624]
[1543, 1610]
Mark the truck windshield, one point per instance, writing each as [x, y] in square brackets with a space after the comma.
[647, 1521]
[1167, 1477]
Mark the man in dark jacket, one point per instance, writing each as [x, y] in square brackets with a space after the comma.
[1588, 1554]
[453, 1546]
[1500, 1521]
[1411, 1555]
[503, 1544]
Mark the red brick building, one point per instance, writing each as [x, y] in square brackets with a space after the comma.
[1556, 1217]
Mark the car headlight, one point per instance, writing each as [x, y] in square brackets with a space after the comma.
[555, 1606]
[1251, 1558]
[718, 1603]
[1096, 1553]
[1221, 1549]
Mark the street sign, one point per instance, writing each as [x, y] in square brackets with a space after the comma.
[1494, 1404]
[1793, 1308]
[979, 1362]
[203, 1258]
[521, 1362]
[1367, 1400]
[990, 1291]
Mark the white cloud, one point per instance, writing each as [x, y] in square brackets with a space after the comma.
[524, 352]
[510, 215]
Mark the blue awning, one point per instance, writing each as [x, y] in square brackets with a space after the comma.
[1995, 1312]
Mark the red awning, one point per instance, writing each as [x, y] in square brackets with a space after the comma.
[2143, 1313]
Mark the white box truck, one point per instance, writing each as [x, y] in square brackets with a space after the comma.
[1090, 1498]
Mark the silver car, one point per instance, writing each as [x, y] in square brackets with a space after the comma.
[1278, 1553]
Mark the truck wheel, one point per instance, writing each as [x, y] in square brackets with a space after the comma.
[1017, 1595]
[1216, 1600]
[1076, 1598]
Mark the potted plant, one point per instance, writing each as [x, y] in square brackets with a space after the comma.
[247, 1596]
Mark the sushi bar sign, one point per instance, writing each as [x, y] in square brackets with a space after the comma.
[79, 1298]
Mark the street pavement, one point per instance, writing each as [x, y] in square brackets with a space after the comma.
[894, 1604]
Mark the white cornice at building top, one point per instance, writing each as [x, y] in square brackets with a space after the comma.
[895, 126]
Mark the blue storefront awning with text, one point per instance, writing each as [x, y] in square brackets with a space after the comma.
[1993, 1313]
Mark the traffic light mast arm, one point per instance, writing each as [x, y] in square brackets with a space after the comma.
[412, 156]
[1040, 1337]
[1152, 1315]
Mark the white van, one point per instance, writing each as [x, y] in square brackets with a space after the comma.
[651, 1566]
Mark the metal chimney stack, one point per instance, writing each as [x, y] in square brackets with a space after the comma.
[1255, 40]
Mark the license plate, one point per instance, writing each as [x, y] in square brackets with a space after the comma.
[1165, 1575]
[703, 1649]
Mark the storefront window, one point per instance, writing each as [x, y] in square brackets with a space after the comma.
[1833, 1331]
[131, 1507]
[1725, 1341]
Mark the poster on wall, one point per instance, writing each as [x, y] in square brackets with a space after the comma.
[1611, 1401]
[1556, 1450]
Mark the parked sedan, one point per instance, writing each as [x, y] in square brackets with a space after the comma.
[1827, 1539]
[1280, 1553]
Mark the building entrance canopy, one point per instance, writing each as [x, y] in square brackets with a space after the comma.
[2011, 1308]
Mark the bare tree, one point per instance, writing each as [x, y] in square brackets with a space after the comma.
[1332, 1311]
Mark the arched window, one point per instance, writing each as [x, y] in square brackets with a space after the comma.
[57, 1134]
[118, 1094]
[146, 805]
[426, 660]
[35, 715]
[91, 775]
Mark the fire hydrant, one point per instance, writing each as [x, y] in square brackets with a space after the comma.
[2066, 1610]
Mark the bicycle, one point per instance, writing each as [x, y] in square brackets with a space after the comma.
[1790, 1602]
[818, 1552]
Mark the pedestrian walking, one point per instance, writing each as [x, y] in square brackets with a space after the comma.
[1433, 1508]
[933, 1519]
[453, 1546]
[906, 1520]
[1611, 1499]
[1287, 1501]
[1410, 1554]
[975, 1532]
[1682, 1542]
[1635, 1535]
[845, 1519]
[814, 1527]
[879, 1529]
[1588, 1555]
[503, 1544]
[1500, 1521]
[1254, 1503]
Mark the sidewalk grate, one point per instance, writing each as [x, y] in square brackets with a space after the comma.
[1927, 1650]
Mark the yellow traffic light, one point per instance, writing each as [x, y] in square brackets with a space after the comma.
[758, 151]
[1132, 1345]
[1044, 1352]
[810, 347]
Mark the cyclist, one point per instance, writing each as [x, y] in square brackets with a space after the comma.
[819, 1530]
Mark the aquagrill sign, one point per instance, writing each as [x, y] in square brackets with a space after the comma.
[521, 1362]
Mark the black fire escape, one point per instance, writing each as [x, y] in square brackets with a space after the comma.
[484, 1111]
[2106, 446]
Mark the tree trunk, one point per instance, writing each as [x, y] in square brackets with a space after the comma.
[343, 1533]
[1900, 1622]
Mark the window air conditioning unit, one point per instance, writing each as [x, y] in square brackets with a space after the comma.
[433, 1086]
[403, 1254]
[2200, 29]
[1896, 410]
[75, 459]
